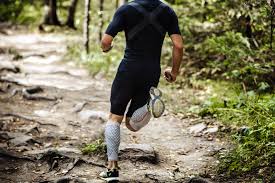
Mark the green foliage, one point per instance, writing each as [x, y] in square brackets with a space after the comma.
[97, 147]
[97, 62]
[225, 52]
[10, 9]
[229, 40]
[21, 11]
[31, 14]
[254, 144]
[231, 57]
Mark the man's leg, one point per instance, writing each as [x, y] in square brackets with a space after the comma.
[112, 138]
[140, 116]
[121, 94]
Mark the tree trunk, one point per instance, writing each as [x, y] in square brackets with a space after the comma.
[71, 14]
[86, 25]
[248, 29]
[50, 17]
[271, 29]
[101, 8]
[117, 1]
[272, 14]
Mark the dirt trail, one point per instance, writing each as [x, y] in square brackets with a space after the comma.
[50, 108]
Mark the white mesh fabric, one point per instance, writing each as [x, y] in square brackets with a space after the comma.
[112, 138]
[140, 118]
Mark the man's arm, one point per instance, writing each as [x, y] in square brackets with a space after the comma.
[177, 53]
[171, 75]
[175, 35]
[117, 25]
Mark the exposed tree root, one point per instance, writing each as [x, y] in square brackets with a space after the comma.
[34, 55]
[4, 153]
[29, 94]
[14, 70]
[79, 107]
[56, 159]
[26, 118]
[10, 81]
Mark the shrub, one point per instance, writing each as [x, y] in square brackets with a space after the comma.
[255, 143]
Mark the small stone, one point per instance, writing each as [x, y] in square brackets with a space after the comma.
[211, 130]
[42, 113]
[198, 128]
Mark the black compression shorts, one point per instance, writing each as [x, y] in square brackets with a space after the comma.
[131, 86]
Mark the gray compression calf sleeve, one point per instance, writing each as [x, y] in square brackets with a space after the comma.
[112, 138]
[140, 118]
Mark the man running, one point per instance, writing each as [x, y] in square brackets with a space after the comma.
[145, 23]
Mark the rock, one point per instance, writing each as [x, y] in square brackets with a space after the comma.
[22, 140]
[138, 152]
[211, 130]
[198, 128]
[87, 115]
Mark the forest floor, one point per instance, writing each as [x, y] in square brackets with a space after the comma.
[50, 108]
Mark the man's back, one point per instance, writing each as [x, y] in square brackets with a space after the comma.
[144, 38]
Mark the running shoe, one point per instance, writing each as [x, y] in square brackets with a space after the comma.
[156, 105]
[110, 176]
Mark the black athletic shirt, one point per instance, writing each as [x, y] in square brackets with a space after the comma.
[144, 50]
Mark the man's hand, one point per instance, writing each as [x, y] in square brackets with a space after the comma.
[106, 43]
[170, 76]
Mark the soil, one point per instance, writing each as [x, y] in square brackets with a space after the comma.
[50, 108]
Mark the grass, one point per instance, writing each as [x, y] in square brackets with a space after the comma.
[254, 114]
[96, 147]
